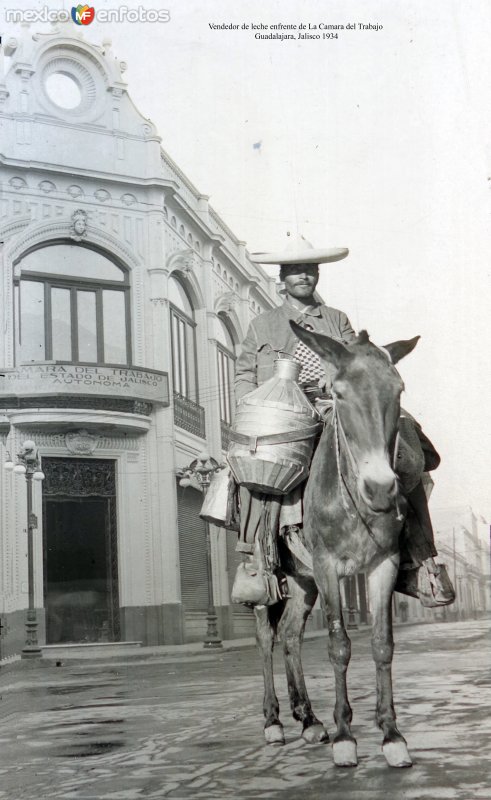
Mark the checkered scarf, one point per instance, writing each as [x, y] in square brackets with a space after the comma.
[311, 364]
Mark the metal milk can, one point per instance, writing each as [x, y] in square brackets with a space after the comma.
[274, 433]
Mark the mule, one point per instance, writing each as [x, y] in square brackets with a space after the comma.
[353, 515]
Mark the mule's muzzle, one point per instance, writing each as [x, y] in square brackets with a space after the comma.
[379, 494]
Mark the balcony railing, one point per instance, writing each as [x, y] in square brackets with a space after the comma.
[189, 416]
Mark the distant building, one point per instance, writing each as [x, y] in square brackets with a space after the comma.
[124, 296]
[463, 544]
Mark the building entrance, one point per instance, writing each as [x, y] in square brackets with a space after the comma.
[80, 550]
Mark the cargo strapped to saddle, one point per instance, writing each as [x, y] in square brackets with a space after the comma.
[275, 438]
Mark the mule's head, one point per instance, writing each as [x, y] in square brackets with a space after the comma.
[366, 388]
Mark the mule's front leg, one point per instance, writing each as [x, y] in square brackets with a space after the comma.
[273, 729]
[381, 585]
[303, 594]
[339, 648]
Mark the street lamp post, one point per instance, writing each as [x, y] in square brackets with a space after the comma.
[201, 471]
[29, 465]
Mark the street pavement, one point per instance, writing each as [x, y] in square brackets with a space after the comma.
[190, 725]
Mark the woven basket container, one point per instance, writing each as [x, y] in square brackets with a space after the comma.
[278, 406]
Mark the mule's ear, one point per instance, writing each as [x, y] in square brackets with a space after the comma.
[324, 346]
[402, 348]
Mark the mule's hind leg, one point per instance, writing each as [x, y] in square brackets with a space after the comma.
[381, 585]
[303, 594]
[339, 647]
[273, 729]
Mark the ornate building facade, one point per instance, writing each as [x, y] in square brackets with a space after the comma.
[124, 296]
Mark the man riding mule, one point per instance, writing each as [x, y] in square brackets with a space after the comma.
[270, 335]
[353, 514]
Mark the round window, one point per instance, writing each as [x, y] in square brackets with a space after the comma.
[63, 90]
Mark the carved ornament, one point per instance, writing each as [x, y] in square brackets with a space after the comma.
[182, 260]
[81, 442]
[47, 186]
[78, 228]
[75, 191]
[17, 183]
[102, 195]
[79, 478]
[226, 302]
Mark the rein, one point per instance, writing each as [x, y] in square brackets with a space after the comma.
[343, 484]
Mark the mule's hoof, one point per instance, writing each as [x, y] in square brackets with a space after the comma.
[396, 754]
[344, 753]
[274, 735]
[315, 734]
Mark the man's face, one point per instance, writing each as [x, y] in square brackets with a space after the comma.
[300, 279]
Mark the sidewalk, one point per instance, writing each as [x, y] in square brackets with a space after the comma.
[157, 653]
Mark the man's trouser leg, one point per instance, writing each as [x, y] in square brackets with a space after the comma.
[417, 539]
[251, 517]
[417, 552]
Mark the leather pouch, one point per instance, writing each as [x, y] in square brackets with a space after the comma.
[254, 585]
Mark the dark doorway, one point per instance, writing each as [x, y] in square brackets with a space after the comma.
[80, 554]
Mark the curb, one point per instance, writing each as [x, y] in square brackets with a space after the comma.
[173, 653]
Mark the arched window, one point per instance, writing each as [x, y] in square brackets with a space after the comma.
[226, 370]
[72, 305]
[184, 367]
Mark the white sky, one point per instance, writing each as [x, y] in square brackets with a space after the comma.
[378, 141]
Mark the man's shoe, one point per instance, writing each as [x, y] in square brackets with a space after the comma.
[440, 591]
[429, 583]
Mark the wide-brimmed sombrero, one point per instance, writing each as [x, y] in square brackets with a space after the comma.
[300, 251]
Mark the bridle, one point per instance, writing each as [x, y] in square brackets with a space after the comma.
[345, 490]
[339, 428]
[350, 504]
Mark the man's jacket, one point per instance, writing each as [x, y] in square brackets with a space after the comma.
[270, 335]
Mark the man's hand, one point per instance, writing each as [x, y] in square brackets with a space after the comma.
[323, 406]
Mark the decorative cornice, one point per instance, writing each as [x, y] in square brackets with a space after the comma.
[25, 71]
[58, 441]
